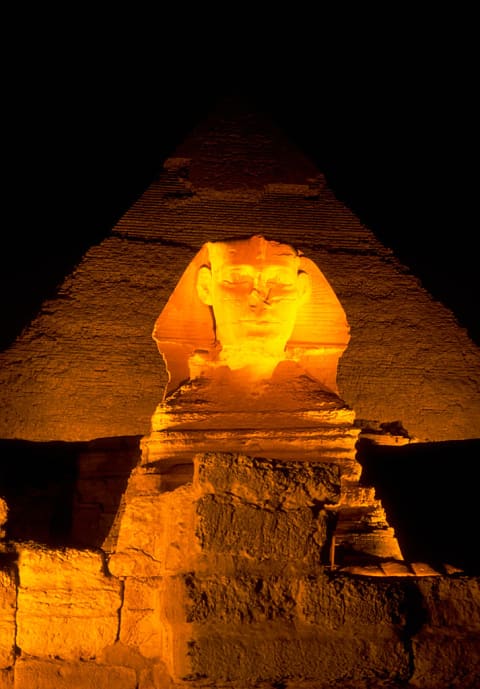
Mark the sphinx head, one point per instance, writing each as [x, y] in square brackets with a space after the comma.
[248, 304]
[255, 289]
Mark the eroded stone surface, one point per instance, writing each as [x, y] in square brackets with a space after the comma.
[8, 605]
[452, 601]
[6, 678]
[141, 618]
[444, 658]
[342, 602]
[242, 529]
[270, 482]
[68, 605]
[274, 652]
[235, 621]
[155, 530]
[50, 674]
[244, 599]
[3, 517]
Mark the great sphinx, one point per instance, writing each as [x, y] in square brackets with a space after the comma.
[251, 338]
[250, 467]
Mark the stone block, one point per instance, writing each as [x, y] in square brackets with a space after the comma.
[151, 672]
[334, 602]
[274, 652]
[3, 516]
[451, 601]
[139, 550]
[241, 599]
[269, 482]
[67, 605]
[155, 677]
[230, 525]
[8, 604]
[446, 659]
[155, 530]
[54, 674]
[141, 618]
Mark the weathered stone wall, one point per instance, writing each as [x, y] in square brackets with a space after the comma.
[87, 366]
[222, 582]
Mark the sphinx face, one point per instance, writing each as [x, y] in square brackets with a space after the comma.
[255, 290]
[247, 305]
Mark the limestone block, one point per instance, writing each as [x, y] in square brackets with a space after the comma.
[264, 509]
[44, 674]
[230, 525]
[451, 602]
[151, 672]
[273, 652]
[141, 618]
[269, 481]
[350, 602]
[155, 533]
[447, 659]
[3, 516]
[155, 677]
[446, 650]
[139, 550]
[8, 603]
[244, 598]
[67, 605]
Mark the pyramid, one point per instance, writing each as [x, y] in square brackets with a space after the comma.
[87, 367]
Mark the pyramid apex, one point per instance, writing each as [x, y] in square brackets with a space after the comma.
[240, 146]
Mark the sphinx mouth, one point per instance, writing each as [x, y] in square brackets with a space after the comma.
[263, 321]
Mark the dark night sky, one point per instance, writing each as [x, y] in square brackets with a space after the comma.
[391, 122]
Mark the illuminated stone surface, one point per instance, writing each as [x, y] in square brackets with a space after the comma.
[67, 607]
[141, 621]
[256, 331]
[8, 604]
[48, 674]
[458, 601]
[246, 622]
[239, 543]
[3, 517]
[237, 602]
[248, 305]
[87, 368]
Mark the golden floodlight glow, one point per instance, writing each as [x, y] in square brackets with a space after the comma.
[250, 304]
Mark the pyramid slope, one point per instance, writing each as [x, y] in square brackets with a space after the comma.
[87, 366]
[237, 147]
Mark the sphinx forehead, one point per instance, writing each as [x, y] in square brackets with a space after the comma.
[256, 249]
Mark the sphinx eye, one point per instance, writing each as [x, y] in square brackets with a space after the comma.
[280, 279]
[236, 279]
[280, 282]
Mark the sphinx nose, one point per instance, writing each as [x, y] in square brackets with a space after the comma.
[258, 295]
